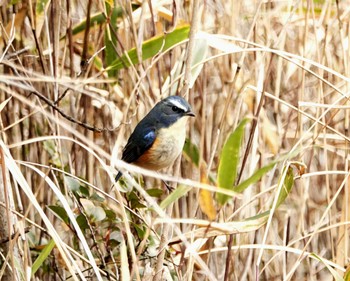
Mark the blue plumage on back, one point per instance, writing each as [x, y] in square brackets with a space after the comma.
[140, 141]
[162, 117]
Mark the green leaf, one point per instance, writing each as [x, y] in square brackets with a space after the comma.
[191, 151]
[134, 200]
[140, 229]
[50, 147]
[259, 216]
[95, 213]
[82, 222]
[256, 222]
[111, 216]
[287, 186]
[261, 172]
[110, 39]
[40, 7]
[154, 192]
[83, 190]
[152, 47]
[60, 212]
[229, 159]
[40, 15]
[254, 178]
[180, 191]
[95, 19]
[43, 256]
[72, 183]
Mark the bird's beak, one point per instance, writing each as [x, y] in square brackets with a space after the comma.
[190, 113]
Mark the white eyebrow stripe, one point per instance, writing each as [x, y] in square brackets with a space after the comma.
[178, 104]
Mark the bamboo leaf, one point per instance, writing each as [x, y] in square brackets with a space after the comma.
[96, 19]
[152, 47]
[154, 192]
[261, 172]
[60, 212]
[42, 256]
[110, 39]
[254, 178]
[229, 159]
[172, 197]
[287, 186]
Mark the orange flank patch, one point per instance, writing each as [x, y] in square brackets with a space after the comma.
[147, 159]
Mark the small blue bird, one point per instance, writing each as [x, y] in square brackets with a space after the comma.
[159, 137]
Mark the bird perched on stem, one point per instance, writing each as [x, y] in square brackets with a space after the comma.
[159, 137]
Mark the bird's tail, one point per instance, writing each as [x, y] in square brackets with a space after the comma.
[117, 177]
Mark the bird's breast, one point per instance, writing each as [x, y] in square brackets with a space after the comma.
[166, 148]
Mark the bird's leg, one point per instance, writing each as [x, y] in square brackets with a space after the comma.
[118, 176]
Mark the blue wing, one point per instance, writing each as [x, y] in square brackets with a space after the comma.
[139, 142]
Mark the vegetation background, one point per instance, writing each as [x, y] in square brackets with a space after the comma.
[262, 186]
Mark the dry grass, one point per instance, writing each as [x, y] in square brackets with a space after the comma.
[292, 80]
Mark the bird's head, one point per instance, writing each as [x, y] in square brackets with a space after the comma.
[172, 109]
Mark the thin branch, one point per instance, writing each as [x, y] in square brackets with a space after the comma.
[68, 117]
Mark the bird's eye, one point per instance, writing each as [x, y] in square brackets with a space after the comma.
[177, 109]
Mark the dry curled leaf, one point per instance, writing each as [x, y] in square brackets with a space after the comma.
[206, 201]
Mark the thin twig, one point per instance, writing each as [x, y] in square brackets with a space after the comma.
[68, 117]
[228, 257]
